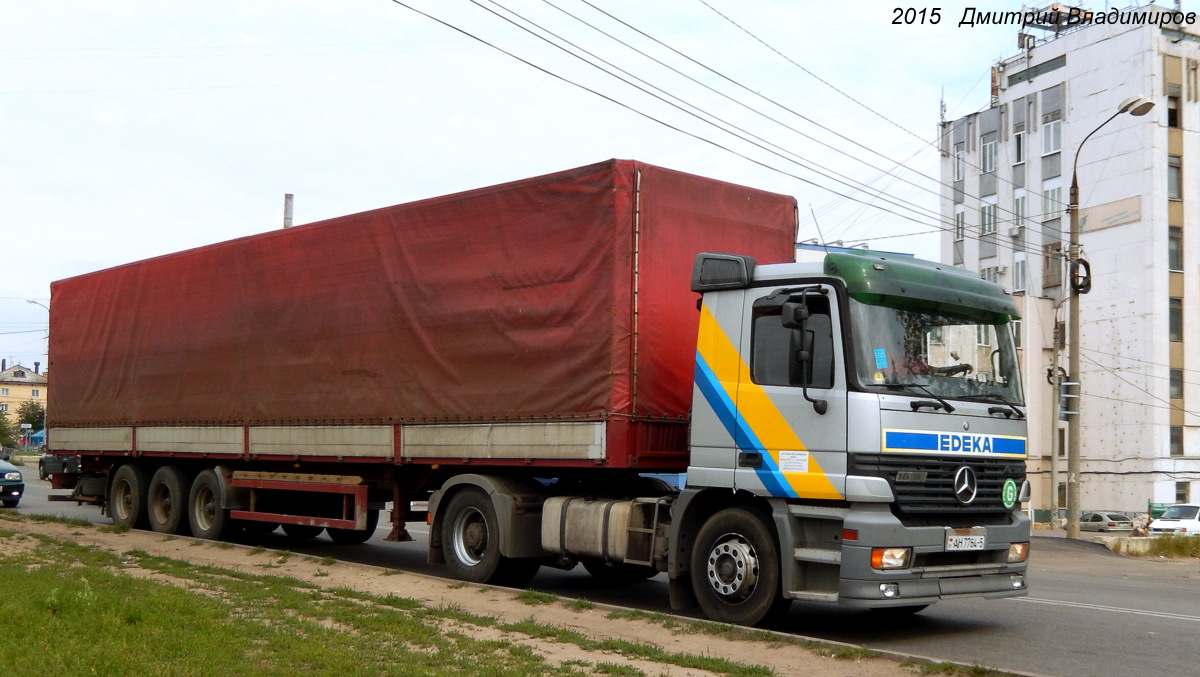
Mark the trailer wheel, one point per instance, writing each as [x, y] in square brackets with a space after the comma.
[302, 532]
[355, 536]
[127, 496]
[205, 515]
[166, 506]
[735, 568]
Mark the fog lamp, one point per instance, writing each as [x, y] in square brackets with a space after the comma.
[890, 558]
[1018, 552]
[1018, 581]
[889, 590]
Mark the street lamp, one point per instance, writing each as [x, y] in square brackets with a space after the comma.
[1136, 106]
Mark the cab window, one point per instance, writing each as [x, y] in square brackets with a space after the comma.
[775, 355]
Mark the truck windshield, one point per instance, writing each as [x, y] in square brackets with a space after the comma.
[935, 353]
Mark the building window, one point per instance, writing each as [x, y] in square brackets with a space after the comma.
[960, 225]
[983, 334]
[1018, 147]
[1052, 203]
[987, 219]
[1175, 249]
[1051, 137]
[935, 334]
[1175, 319]
[1019, 210]
[960, 164]
[1016, 332]
[1174, 177]
[990, 273]
[987, 147]
[1181, 492]
[3, 408]
[3, 392]
[1173, 111]
[1176, 384]
[36, 393]
[1018, 279]
[1052, 264]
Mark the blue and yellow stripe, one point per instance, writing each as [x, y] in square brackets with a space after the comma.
[750, 416]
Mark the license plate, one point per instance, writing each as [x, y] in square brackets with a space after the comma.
[966, 539]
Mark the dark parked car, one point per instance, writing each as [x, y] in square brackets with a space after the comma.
[12, 484]
[1105, 521]
[50, 464]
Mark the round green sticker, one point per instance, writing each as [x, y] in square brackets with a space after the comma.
[1009, 494]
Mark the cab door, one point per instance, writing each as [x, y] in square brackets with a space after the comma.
[791, 395]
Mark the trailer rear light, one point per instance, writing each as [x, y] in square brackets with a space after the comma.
[890, 558]
[1018, 552]
[849, 534]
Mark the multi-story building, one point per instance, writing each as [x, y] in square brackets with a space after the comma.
[19, 385]
[1006, 172]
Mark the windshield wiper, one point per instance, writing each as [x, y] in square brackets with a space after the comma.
[917, 404]
[997, 398]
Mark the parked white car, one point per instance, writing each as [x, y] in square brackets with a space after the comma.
[1182, 519]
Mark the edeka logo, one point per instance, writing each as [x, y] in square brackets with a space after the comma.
[971, 444]
[919, 441]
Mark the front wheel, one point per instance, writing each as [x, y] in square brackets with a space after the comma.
[735, 568]
[12, 504]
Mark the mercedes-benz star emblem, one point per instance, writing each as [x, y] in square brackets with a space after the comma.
[965, 485]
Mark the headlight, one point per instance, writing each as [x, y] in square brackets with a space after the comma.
[1018, 552]
[891, 558]
[14, 475]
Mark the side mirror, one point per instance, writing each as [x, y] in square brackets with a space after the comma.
[795, 315]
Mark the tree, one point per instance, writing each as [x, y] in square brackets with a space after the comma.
[8, 433]
[32, 413]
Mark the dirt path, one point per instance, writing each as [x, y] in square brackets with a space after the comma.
[784, 658]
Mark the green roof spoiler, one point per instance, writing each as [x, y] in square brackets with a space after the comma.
[913, 284]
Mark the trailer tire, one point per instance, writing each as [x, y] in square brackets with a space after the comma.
[735, 568]
[167, 498]
[356, 536]
[302, 532]
[206, 515]
[127, 496]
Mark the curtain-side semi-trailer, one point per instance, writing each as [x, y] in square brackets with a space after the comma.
[519, 361]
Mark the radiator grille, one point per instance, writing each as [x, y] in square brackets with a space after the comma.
[934, 494]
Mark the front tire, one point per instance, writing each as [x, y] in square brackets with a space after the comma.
[208, 519]
[166, 506]
[735, 568]
[127, 496]
[12, 504]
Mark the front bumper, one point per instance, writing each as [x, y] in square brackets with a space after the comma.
[934, 574]
[12, 491]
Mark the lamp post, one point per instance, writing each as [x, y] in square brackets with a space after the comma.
[1136, 106]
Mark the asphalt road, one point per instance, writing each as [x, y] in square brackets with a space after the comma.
[1090, 613]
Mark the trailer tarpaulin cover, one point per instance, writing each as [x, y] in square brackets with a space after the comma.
[513, 302]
